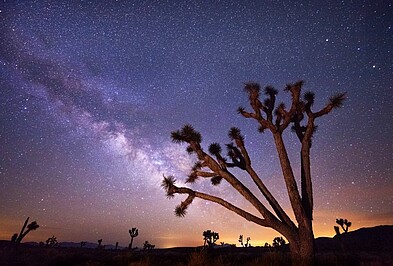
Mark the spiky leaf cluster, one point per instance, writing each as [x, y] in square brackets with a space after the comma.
[216, 180]
[215, 149]
[234, 134]
[309, 97]
[168, 184]
[270, 91]
[187, 134]
[197, 166]
[181, 209]
[253, 89]
[337, 100]
[32, 226]
[192, 177]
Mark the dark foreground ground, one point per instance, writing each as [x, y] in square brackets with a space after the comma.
[28, 255]
[364, 247]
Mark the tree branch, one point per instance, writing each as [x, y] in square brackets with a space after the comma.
[261, 186]
[294, 89]
[248, 216]
[289, 178]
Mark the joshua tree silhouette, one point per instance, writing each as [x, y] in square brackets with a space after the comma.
[247, 244]
[51, 242]
[344, 223]
[278, 242]
[133, 233]
[210, 238]
[215, 167]
[99, 244]
[83, 243]
[147, 245]
[30, 227]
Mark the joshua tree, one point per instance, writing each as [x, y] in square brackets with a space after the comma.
[14, 237]
[51, 242]
[247, 241]
[99, 243]
[133, 233]
[278, 242]
[210, 238]
[147, 245]
[344, 223]
[241, 240]
[248, 244]
[216, 167]
[30, 227]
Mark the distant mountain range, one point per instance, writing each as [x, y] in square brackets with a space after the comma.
[88, 245]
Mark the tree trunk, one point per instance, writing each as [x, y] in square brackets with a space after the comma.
[302, 249]
[130, 246]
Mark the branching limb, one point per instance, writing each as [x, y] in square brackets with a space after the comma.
[295, 90]
[193, 138]
[335, 101]
[168, 184]
[290, 182]
[253, 90]
[237, 137]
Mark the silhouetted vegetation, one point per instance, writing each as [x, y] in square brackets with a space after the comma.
[210, 238]
[23, 232]
[366, 247]
[100, 246]
[147, 245]
[247, 244]
[215, 167]
[133, 233]
[278, 242]
[344, 224]
[51, 242]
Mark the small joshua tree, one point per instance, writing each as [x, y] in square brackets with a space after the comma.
[278, 242]
[31, 227]
[14, 237]
[51, 242]
[241, 240]
[99, 243]
[344, 223]
[133, 233]
[147, 245]
[247, 244]
[210, 238]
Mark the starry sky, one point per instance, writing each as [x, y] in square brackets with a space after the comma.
[90, 91]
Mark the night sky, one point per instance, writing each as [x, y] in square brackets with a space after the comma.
[90, 91]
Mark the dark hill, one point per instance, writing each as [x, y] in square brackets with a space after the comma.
[374, 239]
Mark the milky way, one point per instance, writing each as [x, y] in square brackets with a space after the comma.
[90, 91]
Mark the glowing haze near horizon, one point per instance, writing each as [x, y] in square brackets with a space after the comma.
[90, 91]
